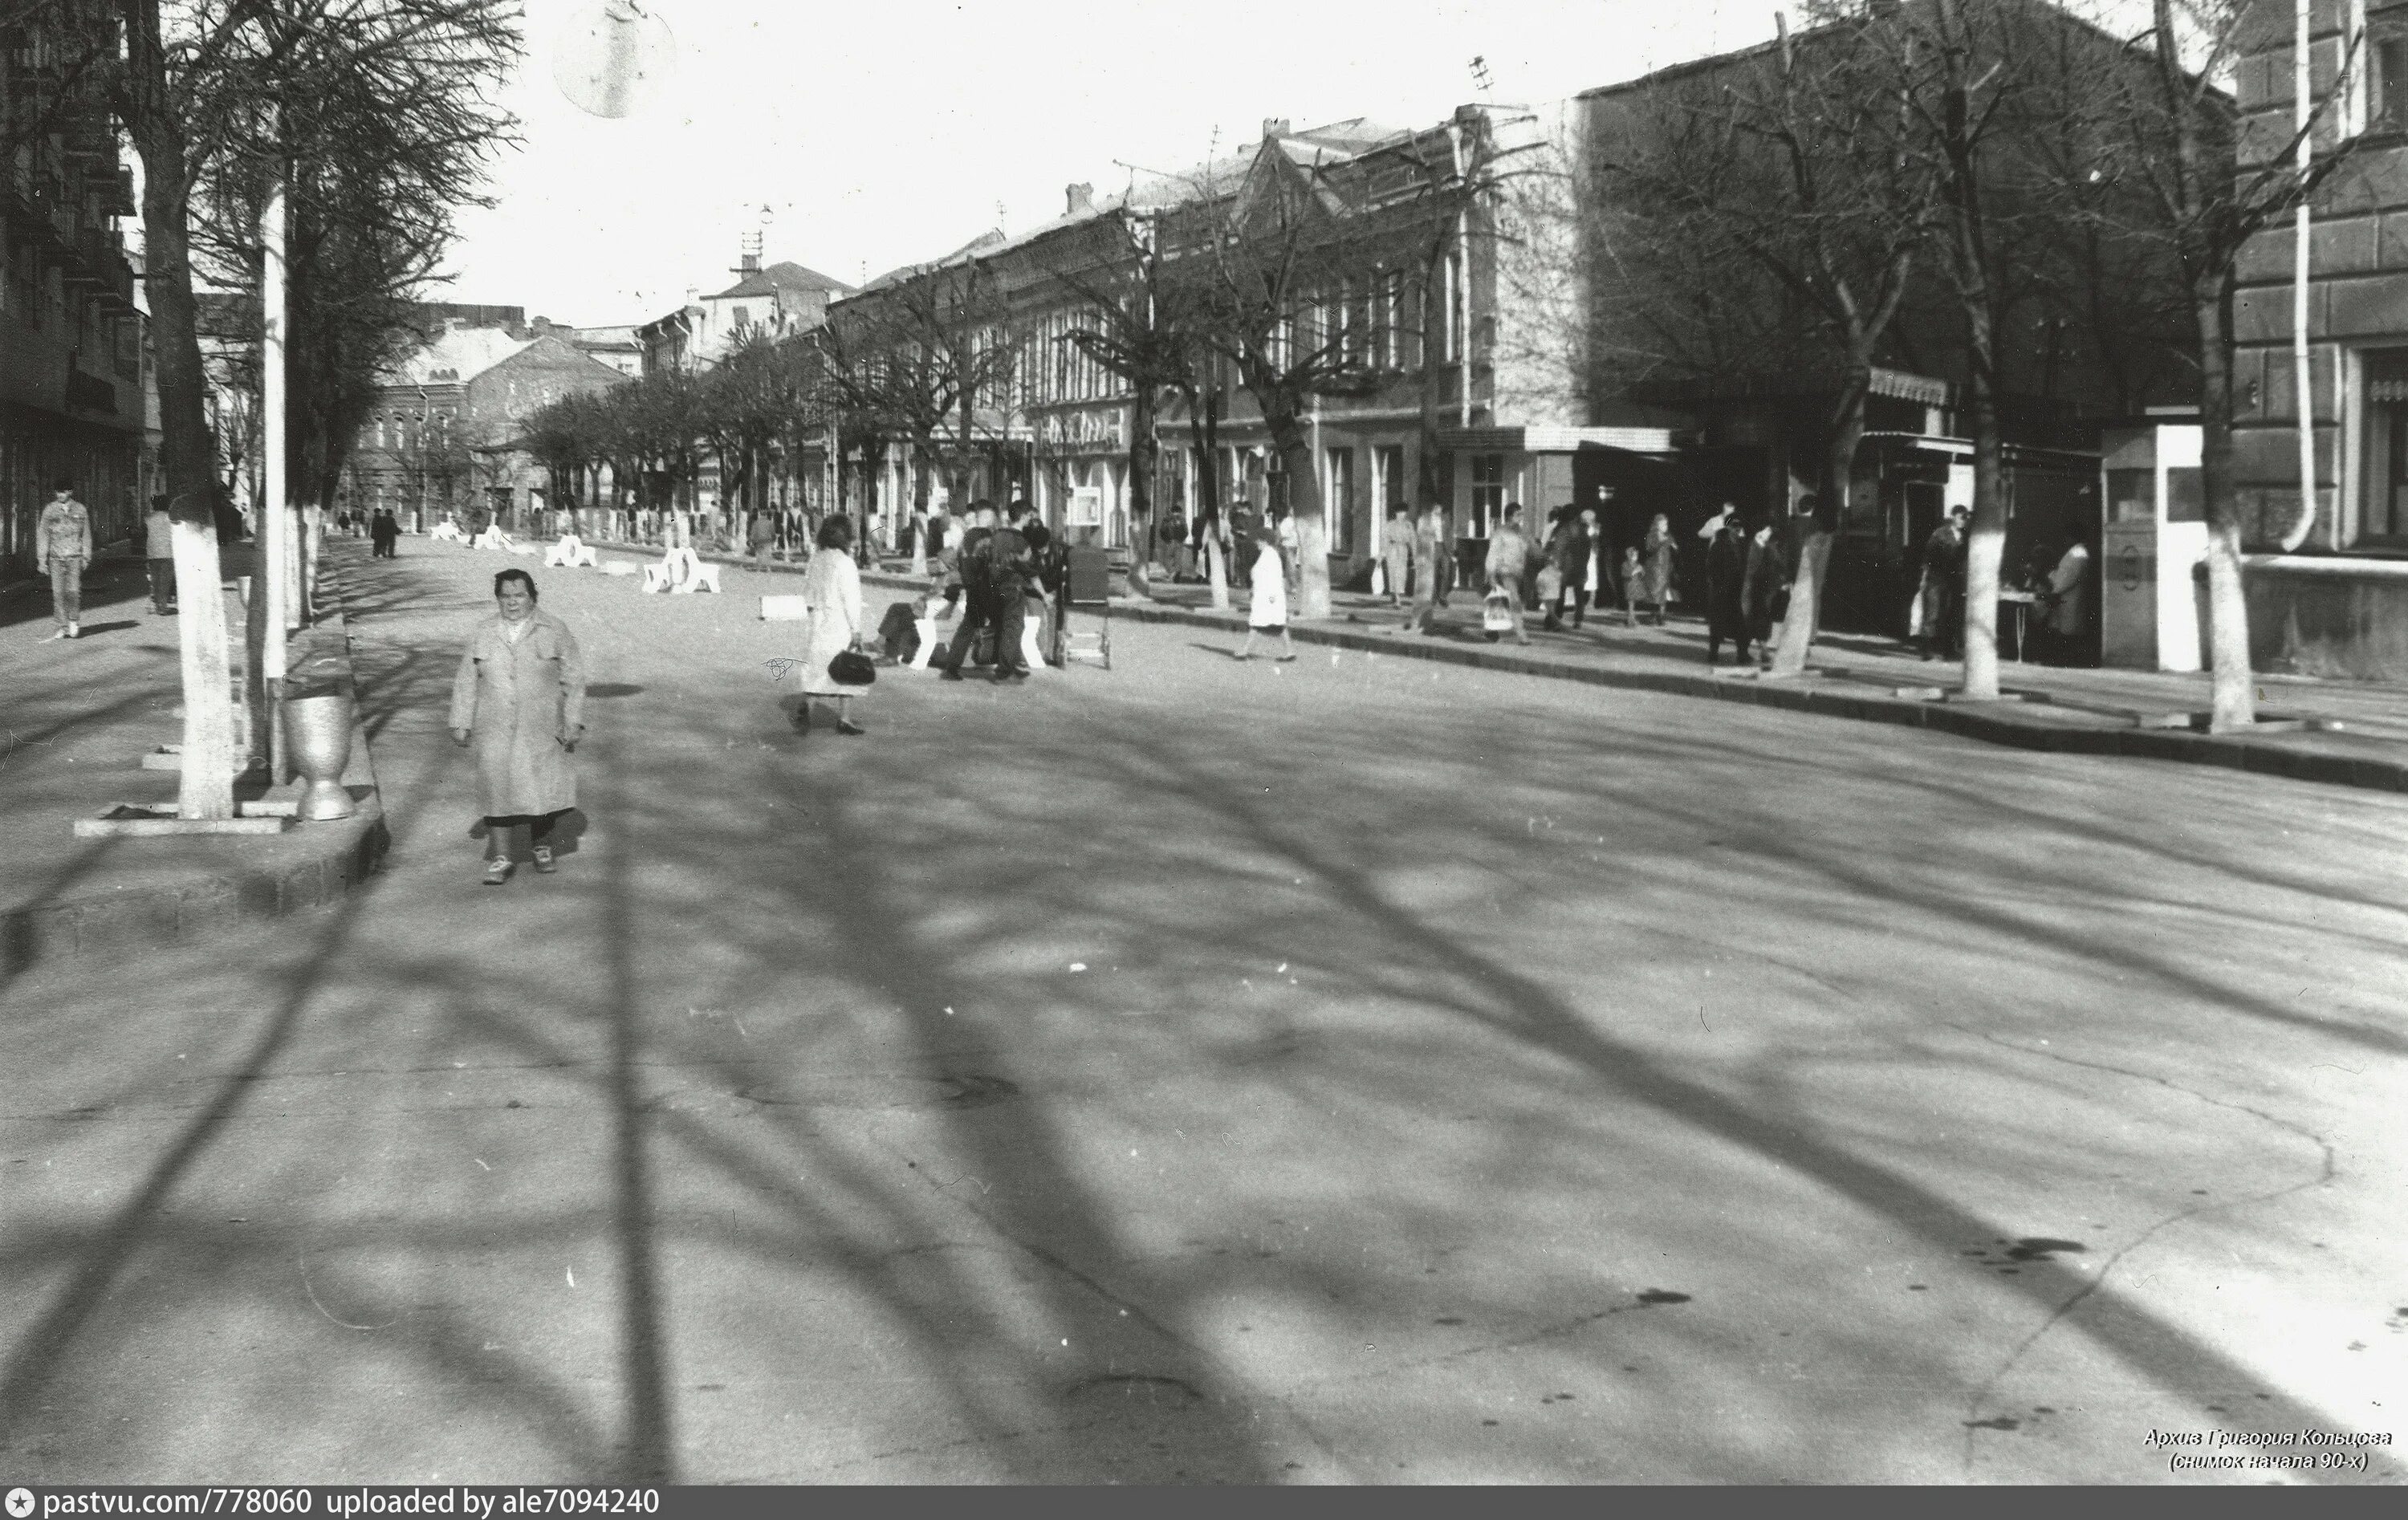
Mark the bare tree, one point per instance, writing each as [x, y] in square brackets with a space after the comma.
[1143, 326]
[915, 357]
[192, 83]
[1785, 194]
[1265, 259]
[2167, 132]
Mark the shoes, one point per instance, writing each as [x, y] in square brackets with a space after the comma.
[75, 630]
[496, 872]
[846, 725]
[544, 863]
[950, 675]
[56, 633]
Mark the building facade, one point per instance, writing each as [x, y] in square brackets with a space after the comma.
[74, 358]
[2328, 583]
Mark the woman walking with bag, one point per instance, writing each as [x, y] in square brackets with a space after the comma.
[519, 702]
[831, 622]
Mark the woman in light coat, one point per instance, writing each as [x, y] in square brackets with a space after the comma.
[831, 622]
[519, 704]
[1269, 613]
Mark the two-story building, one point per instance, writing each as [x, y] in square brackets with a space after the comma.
[443, 436]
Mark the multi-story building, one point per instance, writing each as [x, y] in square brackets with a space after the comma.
[2328, 588]
[1403, 305]
[442, 435]
[773, 301]
[74, 366]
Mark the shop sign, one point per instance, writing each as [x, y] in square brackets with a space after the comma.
[1087, 430]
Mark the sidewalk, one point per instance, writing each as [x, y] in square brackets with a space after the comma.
[76, 719]
[2136, 713]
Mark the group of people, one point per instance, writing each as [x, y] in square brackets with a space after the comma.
[2054, 581]
[1567, 576]
[1005, 569]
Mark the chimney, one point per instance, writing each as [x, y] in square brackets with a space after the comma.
[750, 257]
[1081, 199]
[1275, 126]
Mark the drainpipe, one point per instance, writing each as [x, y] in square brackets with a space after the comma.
[2304, 376]
[1463, 278]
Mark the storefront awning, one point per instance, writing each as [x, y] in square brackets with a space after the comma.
[1555, 441]
[1903, 386]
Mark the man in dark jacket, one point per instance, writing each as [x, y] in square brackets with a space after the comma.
[384, 532]
[1727, 561]
[1011, 568]
[979, 610]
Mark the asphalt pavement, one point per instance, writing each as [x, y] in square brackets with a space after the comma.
[1351, 1071]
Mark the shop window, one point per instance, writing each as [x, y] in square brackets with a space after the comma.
[1340, 503]
[1487, 494]
[2384, 500]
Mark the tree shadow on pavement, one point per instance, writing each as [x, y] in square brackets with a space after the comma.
[1075, 1084]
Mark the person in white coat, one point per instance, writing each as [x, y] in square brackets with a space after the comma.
[831, 622]
[519, 703]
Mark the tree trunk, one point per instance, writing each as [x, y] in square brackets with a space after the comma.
[1987, 546]
[2232, 688]
[1305, 507]
[186, 449]
[1143, 451]
[1208, 482]
[1837, 474]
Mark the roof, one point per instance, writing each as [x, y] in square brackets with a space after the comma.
[608, 336]
[456, 356]
[1325, 144]
[784, 276]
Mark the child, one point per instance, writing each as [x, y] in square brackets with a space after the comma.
[1634, 586]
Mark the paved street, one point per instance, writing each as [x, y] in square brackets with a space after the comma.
[1357, 1070]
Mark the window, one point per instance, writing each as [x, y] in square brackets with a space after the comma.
[1488, 493]
[2383, 502]
[1339, 505]
[1387, 317]
[743, 318]
[1391, 470]
[1451, 317]
[2387, 75]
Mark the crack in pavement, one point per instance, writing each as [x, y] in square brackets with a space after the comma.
[2325, 1173]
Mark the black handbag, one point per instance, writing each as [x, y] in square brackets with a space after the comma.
[852, 668]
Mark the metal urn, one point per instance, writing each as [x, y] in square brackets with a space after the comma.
[318, 733]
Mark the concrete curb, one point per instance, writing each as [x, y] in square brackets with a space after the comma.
[341, 855]
[2019, 726]
[2036, 726]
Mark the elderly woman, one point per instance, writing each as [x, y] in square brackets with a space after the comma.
[519, 702]
[831, 622]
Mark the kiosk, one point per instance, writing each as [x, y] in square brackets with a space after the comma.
[2155, 536]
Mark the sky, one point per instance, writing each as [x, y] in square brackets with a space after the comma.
[886, 132]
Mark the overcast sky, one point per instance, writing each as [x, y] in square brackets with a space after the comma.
[884, 132]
